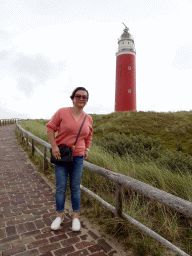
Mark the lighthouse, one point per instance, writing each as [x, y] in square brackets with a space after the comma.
[125, 88]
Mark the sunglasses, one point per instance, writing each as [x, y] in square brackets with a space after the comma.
[78, 97]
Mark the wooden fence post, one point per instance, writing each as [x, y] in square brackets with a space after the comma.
[32, 147]
[45, 163]
[22, 137]
[27, 141]
[118, 201]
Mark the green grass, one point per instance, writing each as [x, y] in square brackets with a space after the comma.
[157, 150]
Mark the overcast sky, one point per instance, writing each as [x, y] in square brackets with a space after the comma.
[49, 47]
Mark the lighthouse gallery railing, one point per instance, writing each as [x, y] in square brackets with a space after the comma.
[176, 203]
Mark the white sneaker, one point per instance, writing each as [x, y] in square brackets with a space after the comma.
[56, 223]
[76, 225]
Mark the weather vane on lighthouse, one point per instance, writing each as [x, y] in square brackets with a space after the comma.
[125, 25]
[125, 89]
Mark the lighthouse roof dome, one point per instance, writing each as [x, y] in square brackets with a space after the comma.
[125, 34]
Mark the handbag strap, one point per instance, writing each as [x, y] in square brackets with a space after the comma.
[79, 131]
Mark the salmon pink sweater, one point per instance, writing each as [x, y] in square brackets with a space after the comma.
[67, 127]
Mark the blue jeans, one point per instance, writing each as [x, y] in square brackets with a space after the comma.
[74, 170]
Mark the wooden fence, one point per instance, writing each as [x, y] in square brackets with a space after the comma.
[176, 203]
[9, 121]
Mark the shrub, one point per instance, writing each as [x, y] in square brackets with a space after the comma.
[143, 149]
[137, 147]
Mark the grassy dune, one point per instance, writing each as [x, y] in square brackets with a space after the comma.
[155, 148]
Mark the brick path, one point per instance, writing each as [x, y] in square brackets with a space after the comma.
[28, 207]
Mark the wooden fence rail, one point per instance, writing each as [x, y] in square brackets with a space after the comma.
[176, 203]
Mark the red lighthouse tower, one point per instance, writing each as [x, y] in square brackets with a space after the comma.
[125, 91]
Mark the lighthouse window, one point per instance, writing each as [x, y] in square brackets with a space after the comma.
[129, 90]
[129, 68]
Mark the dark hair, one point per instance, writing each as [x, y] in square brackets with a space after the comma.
[79, 89]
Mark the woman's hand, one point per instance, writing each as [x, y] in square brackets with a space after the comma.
[56, 152]
[86, 154]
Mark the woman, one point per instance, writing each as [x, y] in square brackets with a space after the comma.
[67, 122]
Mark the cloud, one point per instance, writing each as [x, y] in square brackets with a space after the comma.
[5, 39]
[26, 86]
[36, 67]
[3, 55]
[29, 70]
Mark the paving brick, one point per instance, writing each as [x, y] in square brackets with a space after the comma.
[58, 238]
[32, 211]
[38, 243]
[74, 234]
[17, 202]
[46, 254]
[2, 233]
[32, 218]
[20, 241]
[64, 251]
[31, 233]
[67, 224]
[84, 244]
[21, 228]
[33, 252]
[45, 229]
[10, 214]
[83, 252]
[62, 230]
[49, 214]
[8, 239]
[49, 247]
[50, 203]
[2, 224]
[14, 250]
[18, 210]
[23, 205]
[40, 212]
[47, 221]
[83, 225]
[39, 224]
[93, 235]
[23, 216]
[70, 241]
[35, 206]
[30, 226]
[43, 236]
[4, 247]
[42, 201]
[48, 207]
[106, 247]
[84, 237]
[94, 248]
[9, 207]
[14, 222]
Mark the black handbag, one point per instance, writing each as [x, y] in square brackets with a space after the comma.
[66, 152]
